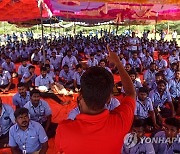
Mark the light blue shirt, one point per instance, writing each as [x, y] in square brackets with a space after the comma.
[27, 75]
[147, 61]
[149, 77]
[93, 62]
[77, 77]
[56, 62]
[111, 106]
[39, 113]
[135, 62]
[33, 137]
[24, 53]
[6, 118]
[4, 79]
[169, 74]
[174, 88]
[139, 148]
[20, 101]
[142, 109]
[10, 68]
[161, 64]
[158, 100]
[164, 148]
[69, 61]
[40, 81]
[67, 76]
[14, 56]
[22, 69]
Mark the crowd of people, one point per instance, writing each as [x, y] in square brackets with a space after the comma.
[63, 62]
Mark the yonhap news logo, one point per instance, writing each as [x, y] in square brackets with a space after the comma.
[131, 139]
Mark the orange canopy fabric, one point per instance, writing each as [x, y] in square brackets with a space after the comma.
[19, 10]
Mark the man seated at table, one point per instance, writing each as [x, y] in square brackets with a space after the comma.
[5, 81]
[40, 111]
[22, 96]
[27, 136]
[6, 121]
[66, 77]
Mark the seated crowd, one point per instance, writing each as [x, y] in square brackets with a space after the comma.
[62, 63]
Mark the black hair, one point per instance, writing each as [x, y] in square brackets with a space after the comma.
[139, 123]
[43, 68]
[159, 74]
[20, 111]
[143, 90]
[34, 91]
[47, 65]
[102, 60]
[132, 72]
[31, 66]
[92, 54]
[152, 63]
[65, 66]
[78, 66]
[161, 81]
[173, 122]
[21, 84]
[23, 59]
[96, 86]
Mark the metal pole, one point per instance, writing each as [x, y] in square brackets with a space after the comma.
[156, 26]
[42, 34]
[50, 29]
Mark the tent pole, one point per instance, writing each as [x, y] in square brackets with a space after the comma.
[50, 29]
[156, 26]
[42, 34]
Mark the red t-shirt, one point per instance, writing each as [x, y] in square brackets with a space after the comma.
[96, 134]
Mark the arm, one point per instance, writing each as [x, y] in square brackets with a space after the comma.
[172, 108]
[48, 122]
[27, 79]
[44, 148]
[153, 117]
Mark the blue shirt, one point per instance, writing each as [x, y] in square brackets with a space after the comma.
[20, 101]
[164, 148]
[67, 76]
[174, 88]
[135, 62]
[142, 109]
[24, 53]
[93, 62]
[158, 100]
[169, 74]
[149, 77]
[139, 148]
[4, 79]
[111, 106]
[39, 113]
[14, 56]
[147, 61]
[69, 61]
[32, 137]
[6, 118]
[8, 67]
[40, 81]
[162, 64]
[27, 75]
[22, 69]
[55, 62]
[77, 77]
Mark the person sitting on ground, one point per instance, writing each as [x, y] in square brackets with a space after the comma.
[92, 128]
[140, 147]
[77, 77]
[40, 111]
[174, 58]
[23, 68]
[136, 62]
[66, 77]
[168, 138]
[102, 64]
[6, 121]
[5, 81]
[9, 66]
[160, 97]
[27, 136]
[144, 107]
[22, 96]
[169, 73]
[92, 61]
[161, 63]
[29, 77]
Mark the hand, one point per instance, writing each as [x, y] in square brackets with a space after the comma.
[76, 89]
[113, 57]
[156, 126]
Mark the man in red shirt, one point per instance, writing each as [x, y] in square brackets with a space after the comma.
[97, 130]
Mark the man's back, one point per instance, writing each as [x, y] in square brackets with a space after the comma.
[101, 133]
